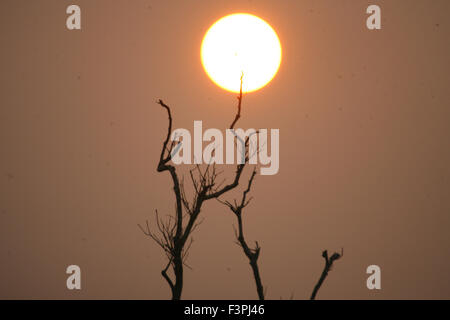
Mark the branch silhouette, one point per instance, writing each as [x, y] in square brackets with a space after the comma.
[252, 254]
[238, 114]
[328, 265]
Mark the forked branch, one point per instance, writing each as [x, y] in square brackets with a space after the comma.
[251, 253]
[326, 269]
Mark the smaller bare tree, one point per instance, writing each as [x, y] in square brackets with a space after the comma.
[327, 267]
[251, 253]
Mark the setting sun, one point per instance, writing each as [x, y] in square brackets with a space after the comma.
[241, 44]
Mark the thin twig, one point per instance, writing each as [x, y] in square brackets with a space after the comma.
[238, 114]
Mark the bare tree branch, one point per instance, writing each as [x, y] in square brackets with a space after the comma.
[163, 166]
[251, 253]
[238, 114]
[326, 269]
[165, 276]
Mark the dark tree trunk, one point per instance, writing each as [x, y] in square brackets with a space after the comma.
[178, 270]
[259, 286]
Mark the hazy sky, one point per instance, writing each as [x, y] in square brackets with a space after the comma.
[364, 149]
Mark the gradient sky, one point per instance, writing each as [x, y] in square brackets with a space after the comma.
[364, 149]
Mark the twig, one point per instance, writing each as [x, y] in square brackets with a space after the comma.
[238, 115]
[326, 269]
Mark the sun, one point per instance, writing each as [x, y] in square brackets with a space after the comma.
[241, 44]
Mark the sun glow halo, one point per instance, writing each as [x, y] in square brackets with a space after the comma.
[241, 44]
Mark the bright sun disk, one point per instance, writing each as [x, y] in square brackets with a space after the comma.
[239, 44]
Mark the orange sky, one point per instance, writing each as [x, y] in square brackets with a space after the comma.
[364, 158]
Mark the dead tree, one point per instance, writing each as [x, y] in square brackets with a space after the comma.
[174, 233]
[251, 254]
[326, 269]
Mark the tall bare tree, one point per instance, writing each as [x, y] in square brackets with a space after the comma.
[174, 233]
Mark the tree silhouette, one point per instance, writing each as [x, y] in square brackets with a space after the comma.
[327, 267]
[251, 254]
[174, 233]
